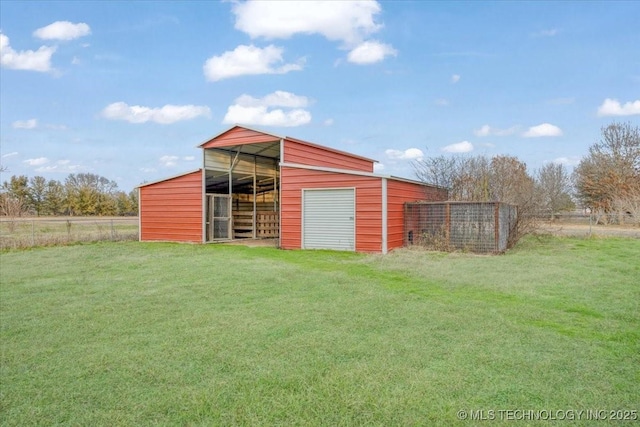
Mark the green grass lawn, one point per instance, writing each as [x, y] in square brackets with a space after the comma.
[128, 333]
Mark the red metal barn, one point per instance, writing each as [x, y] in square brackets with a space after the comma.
[259, 185]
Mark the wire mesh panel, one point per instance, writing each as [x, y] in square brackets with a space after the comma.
[470, 226]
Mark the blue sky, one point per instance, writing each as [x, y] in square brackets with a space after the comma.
[127, 90]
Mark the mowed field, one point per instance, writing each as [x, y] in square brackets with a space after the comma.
[128, 333]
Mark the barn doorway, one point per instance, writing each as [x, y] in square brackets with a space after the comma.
[218, 223]
[249, 176]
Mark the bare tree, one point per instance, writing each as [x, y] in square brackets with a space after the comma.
[480, 179]
[627, 207]
[12, 207]
[554, 186]
[467, 178]
[473, 180]
[610, 174]
[440, 171]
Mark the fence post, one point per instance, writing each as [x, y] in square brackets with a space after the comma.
[33, 233]
[112, 231]
[447, 223]
[496, 225]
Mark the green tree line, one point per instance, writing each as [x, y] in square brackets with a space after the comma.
[79, 195]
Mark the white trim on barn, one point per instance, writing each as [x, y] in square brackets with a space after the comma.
[385, 227]
[279, 182]
[169, 178]
[243, 127]
[356, 173]
[204, 198]
[139, 215]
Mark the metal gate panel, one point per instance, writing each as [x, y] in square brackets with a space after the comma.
[328, 219]
[218, 217]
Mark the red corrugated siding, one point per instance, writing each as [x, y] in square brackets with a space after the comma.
[399, 192]
[237, 136]
[306, 154]
[368, 205]
[171, 210]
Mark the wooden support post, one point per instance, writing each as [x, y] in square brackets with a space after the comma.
[255, 223]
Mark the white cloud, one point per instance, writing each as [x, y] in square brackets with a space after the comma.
[39, 60]
[328, 122]
[189, 158]
[164, 115]
[378, 167]
[278, 98]
[455, 78]
[370, 52]
[25, 124]
[168, 161]
[37, 162]
[148, 170]
[13, 153]
[257, 111]
[612, 107]
[63, 30]
[347, 21]
[544, 129]
[248, 60]
[442, 102]
[486, 130]
[408, 154]
[459, 147]
[265, 117]
[61, 166]
[33, 123]
[567, 161]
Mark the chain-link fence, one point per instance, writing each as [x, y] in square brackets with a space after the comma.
[470, 226]
[23, 232]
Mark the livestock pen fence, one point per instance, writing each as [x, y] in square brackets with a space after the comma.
[485, 227]
[24, 232]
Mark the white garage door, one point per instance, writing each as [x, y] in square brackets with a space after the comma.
[328, 219]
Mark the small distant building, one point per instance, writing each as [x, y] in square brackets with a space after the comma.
[254, 184]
